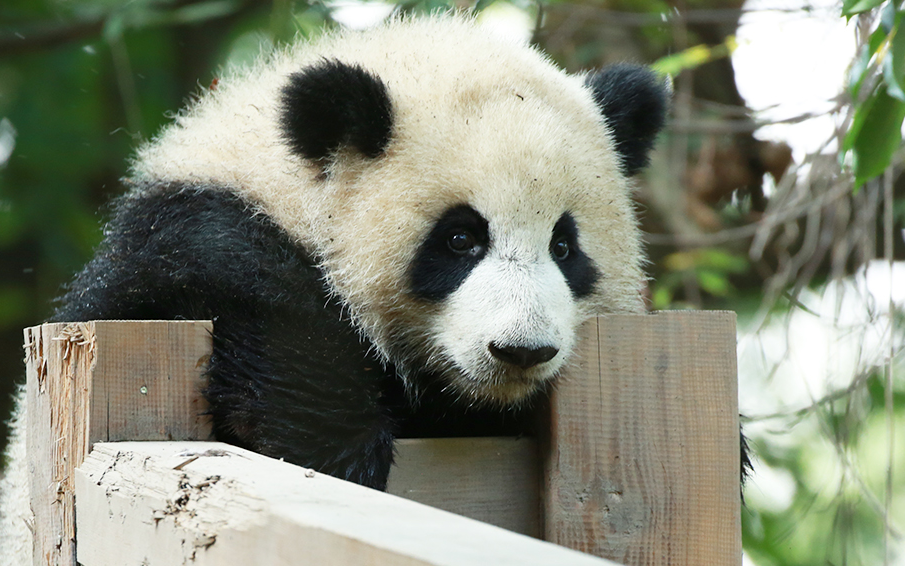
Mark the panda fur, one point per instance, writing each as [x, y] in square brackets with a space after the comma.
[396, 233]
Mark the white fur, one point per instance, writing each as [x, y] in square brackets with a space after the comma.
[15, 510]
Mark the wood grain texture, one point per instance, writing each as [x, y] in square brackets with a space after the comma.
[148, 380]
[211, 504]
[495, 480]
[642, 458]
[98, 381]
[57, 366]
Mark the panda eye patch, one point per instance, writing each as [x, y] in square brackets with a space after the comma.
[580, 272]
[456, 243]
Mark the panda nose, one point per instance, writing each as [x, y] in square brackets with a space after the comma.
[521, 356]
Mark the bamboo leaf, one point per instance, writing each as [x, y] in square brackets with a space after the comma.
[894, 61]
[694, 57]
[875, 135]
[715, 283]
[862, 62]
[854, 7]
[481, 4]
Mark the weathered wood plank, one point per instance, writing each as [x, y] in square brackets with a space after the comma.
[642, 458]
[148, 380]
[97, 381]
[54, 374]
[495, 480]
[210, 504]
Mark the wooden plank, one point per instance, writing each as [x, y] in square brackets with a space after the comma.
[97, 381]
[149, 379]
[642, 460]
[495, 480]
[51, 442]
[211, 504]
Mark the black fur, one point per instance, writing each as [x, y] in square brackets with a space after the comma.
[289, 376]
[438, 270]
[747, 467]
[634, 101]
[331, 105]
[580, 272]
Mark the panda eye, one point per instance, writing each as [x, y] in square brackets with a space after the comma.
[560, 248]
[462, 242]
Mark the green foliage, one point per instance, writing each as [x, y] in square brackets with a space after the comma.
[876, 134]
[853, 7]
[834, 513]
[694, 57]
[709, 269]
[876, 131]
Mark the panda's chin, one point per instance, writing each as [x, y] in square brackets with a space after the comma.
[511, 393]
[502, 388]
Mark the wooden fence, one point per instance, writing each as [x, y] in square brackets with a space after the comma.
[639, 463]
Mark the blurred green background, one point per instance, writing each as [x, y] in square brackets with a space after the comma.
[736, 220]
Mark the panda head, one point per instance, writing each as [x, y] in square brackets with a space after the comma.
[474, 210]
[469, 202]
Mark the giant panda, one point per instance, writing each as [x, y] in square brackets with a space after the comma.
[396, 233]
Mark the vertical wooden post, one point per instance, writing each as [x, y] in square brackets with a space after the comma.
[641, 465]
[104, 381]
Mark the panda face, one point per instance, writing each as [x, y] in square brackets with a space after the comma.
[477, 243]
[509, 299]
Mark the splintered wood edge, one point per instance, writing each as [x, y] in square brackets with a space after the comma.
[160, 503]
[71, 371]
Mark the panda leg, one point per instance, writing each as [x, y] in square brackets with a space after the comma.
[319, 405]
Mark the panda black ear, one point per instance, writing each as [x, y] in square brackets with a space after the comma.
[635, 101]
[330, 105]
